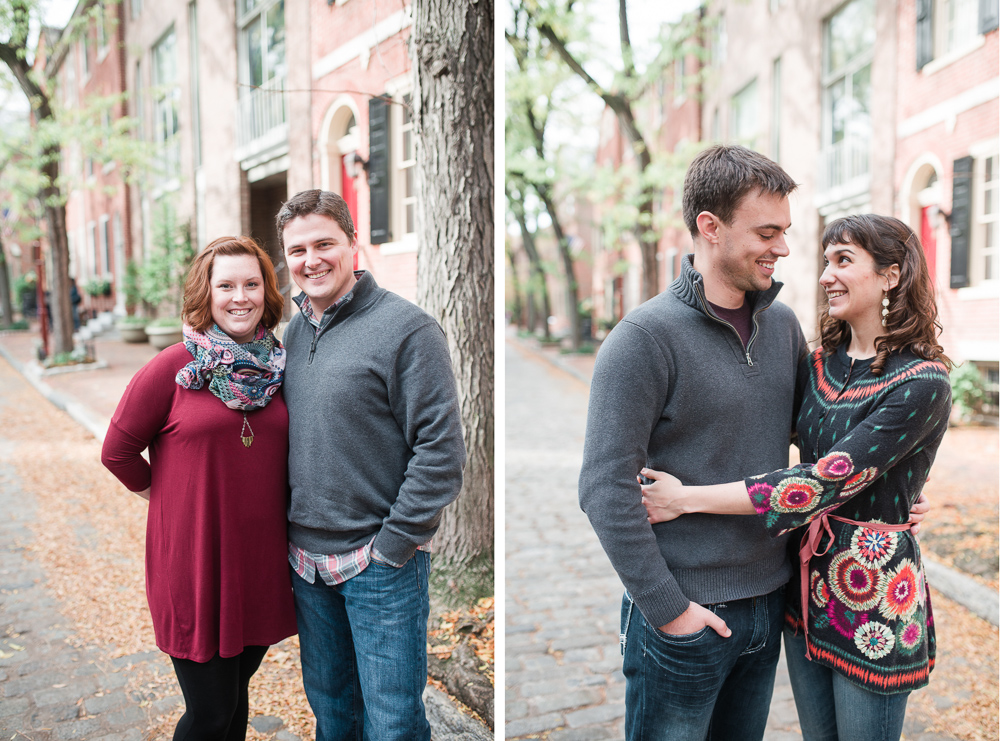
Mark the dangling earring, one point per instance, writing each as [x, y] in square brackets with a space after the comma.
[885, 306]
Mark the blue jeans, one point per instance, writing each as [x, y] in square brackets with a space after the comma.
[832, 708]
[364, 652]
[702, 686]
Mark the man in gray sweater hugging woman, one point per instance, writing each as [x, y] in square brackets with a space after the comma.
[700, 381]
[375, 454]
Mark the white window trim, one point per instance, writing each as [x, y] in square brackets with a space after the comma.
[91, 249]
[977, 241]
[397, 88]
[102, 31]
[734, 119]
[85, 71]
[939, 30]
[939, 63]
[362, 44]
[171, 92]
[104, 234]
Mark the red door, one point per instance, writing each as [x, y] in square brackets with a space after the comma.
[928, 240]
[350, 196]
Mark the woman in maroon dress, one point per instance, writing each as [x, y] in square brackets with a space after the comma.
[211, 414]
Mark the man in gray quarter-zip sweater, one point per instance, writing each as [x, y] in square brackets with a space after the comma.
[375, 454]
[700, 381]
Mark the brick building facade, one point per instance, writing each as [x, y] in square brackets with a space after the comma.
[243, 104]
[884, 106]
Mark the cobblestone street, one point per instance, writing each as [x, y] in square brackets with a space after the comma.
[563, 668]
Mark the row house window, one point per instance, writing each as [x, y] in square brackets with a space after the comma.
[166, 102]
[392, 168]
[776, 110]
[102, 32]
[975, 219]
[989, 206]
[848, 49]
[406, 165]
[262, 33]
[949, 28]
[85, 51]
[719, 41]
[743, 116]
[263, 68]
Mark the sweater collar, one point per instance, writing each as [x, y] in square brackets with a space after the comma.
[360, 294]
[690, 288]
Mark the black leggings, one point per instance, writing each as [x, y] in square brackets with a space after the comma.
[215, 696]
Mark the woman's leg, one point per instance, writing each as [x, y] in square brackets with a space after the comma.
[862, 714]
[812, 686]
[212, 693]
[832, 708]
[249, 663]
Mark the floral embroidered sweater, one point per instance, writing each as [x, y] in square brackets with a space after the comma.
[867, 444]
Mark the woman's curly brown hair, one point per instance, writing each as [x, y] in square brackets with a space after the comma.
[912, 322]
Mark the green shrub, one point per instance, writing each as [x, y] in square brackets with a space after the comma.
[968, 390]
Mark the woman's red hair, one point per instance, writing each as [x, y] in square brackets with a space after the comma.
[197, 310]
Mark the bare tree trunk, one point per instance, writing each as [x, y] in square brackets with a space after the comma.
[452, 51]
[58, 281]
[522, 298]
[538, 284]
[572, 287]
[6, 305]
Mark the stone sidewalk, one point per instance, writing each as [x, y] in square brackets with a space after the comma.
[563, 679]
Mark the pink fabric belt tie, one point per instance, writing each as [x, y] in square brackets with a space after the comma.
[811, 541]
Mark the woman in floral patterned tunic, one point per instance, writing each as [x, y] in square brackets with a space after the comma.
[875, 400]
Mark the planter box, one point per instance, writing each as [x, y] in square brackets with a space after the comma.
[162, 337]
[133, 333]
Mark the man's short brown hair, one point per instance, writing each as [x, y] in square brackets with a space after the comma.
[322, 202]
[720, 177]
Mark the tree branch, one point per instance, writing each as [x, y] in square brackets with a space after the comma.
[626, 42]
[546, 30]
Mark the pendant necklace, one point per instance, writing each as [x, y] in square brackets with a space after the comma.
[247, 439]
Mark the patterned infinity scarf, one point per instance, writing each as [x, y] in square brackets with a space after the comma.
[244, 376]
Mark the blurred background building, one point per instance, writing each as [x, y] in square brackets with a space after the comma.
[885, 106]
[240, 105]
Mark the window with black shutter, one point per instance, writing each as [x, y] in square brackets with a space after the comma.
[378, 168]
[988, 12]
[925, 32]
[961, 221]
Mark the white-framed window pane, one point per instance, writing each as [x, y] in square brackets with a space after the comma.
[165, 118]
[275, 35]
[743, 116]
[990, 217]
[102, 34]
[849, 34]
[255, 55]
[719, 41]
[776, 109]
[407, 164]
[962, 21]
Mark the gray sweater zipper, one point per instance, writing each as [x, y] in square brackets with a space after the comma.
[317, 331]
[756, 327]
